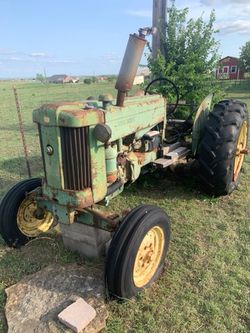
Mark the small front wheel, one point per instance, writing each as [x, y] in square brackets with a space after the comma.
[137, 251]
[20, 218]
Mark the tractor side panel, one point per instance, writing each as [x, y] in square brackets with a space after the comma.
[136, 115]
[52, 163]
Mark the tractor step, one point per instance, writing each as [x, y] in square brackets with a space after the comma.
[172, 156]
[169, 148]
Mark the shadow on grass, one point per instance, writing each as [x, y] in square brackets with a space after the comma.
[5, 184]
[168, 185]
[181, 184]
[15, 128]
[15, 169]
[18, 165]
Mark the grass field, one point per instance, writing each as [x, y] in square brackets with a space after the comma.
[205, 286]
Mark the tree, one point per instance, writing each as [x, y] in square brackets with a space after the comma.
[189, 56]
[112, 78]
[245, 57]
[40, 77]
[87, 81]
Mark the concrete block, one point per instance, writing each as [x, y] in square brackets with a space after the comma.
[78, 315]
[86, 240]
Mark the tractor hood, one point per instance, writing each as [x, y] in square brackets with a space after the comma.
[68, 115]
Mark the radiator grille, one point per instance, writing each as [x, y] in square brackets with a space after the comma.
[75, 158]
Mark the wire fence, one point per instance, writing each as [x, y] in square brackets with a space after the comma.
[227, 84]
[31, 95]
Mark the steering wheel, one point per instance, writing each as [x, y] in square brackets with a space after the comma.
[176, 90]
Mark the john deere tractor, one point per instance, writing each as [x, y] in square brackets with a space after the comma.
[92, 149]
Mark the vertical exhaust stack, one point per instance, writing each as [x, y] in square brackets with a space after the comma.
[130, 63]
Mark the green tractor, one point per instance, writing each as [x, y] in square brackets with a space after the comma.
[91, 149]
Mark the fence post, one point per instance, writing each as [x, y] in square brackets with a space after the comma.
[22, 131]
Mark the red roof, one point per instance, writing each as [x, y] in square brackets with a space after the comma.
[229, 58]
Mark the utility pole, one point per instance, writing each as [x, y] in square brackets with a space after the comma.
[159, 21]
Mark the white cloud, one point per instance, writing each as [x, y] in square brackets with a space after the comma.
[56, 61]
[237, 26]
[140, 13]
[16, 59]
[111, 58]
[231, 15]
[38, 54]
[244, 11]
[35, 58]
[7, 52]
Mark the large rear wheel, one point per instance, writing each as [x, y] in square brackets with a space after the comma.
[223, 147]
[137, 252]
[20, 218]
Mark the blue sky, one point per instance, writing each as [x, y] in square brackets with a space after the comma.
[80, 37]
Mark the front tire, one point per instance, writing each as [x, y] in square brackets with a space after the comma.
[18, 221]
[137, 251]
[223, 146]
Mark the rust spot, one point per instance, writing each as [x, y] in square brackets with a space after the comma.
[125, 212]
[121, 159]
[97, 170]
[112, 220]
[111, 177]
[76, 113]
[139, 93]
[86, 202]
[82, 202]
[140, 156]
[131, 156]
[82, 115]
[77, 201]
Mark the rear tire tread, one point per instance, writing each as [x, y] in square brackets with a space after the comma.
[218, 146]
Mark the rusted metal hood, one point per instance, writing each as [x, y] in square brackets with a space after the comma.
[68, 115]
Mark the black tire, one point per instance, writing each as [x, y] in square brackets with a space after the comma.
[9, 208]
[218, 146]
[125, 245]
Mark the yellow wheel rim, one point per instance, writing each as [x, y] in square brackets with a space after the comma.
[33, 221]
[148, 256]
[240, 150]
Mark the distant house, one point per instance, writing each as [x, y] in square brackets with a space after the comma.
[63, 78]
[142, 73]
[139, 79]
[229, 69]
[71, 79]
[102, 78]
[145, 71]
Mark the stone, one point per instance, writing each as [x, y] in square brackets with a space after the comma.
[33, 304]
[84, 239]
[77, 315]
